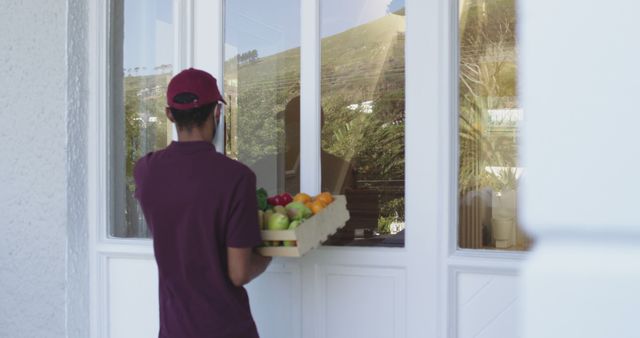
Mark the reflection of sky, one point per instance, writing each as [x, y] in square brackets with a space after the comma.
[339, 15]
[268, 26]
[148, 34]
[273, 26]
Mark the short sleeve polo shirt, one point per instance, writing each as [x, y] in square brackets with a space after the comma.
[197, 203]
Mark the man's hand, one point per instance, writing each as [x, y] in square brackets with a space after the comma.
[245, 265]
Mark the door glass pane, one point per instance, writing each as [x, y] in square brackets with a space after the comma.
[489, 127]
[142, 59]
[262, 89]
[363, 102]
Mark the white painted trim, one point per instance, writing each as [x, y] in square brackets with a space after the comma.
[97, 148]
[488, 265]
[183, 39]
[452, 50]
[102, 292]
[449, 158]
[490, 254]
[424, 189]
[310, 144]
[360, 256]
[208, 48]
[133, 248]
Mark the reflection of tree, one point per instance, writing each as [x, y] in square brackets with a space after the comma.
[373, 139]
[488, 147]
[487, 81]
[145, 130]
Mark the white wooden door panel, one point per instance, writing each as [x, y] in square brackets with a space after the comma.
[276, 300]
[131, 288]
[356, 301]
[486, 305]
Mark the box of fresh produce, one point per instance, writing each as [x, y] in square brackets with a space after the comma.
[293, 225]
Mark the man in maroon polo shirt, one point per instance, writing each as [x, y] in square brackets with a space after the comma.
[201, 208]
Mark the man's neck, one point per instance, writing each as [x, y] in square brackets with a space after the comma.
[193, 136]
[190, 138]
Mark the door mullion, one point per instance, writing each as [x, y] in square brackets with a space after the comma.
[310, 166]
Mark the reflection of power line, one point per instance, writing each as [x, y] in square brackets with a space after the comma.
[351, 64]
[287, 85]
[294, 80]
[335, 73]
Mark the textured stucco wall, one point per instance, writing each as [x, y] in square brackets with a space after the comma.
[77, 126]
[34, 204]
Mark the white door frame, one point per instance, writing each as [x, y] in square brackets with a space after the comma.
[426, 268]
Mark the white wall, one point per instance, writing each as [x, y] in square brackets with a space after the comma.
[580, 83]
[34, 203]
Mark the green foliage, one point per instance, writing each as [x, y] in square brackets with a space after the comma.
[384, 224]
[261, 195]
[488, 80]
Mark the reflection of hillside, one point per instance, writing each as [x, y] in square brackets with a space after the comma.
[362, 87]
[352, 61]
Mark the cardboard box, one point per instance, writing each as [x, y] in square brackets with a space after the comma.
[310, 233]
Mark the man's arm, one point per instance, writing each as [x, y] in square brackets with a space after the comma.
[245, 265]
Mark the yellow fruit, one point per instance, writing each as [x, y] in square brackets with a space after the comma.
[317, 206]
[325, 198]
[302, 197]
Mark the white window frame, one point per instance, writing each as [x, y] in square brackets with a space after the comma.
[310, 145]
[454, 250]
[100, 187]
[101, 102]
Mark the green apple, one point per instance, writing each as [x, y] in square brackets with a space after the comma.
[290, 243]
[297, 210]
[278, 221]
[294, 224]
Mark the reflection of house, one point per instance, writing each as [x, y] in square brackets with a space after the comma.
[363, 107]
[506, 116]
[157, 91]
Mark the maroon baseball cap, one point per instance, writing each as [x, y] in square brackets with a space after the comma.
[192, 88]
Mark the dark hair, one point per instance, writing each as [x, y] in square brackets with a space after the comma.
[196, 117]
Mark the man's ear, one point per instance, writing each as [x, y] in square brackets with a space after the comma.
[217, 111]
[169, 114]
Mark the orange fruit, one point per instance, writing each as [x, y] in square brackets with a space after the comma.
[302, 197]
[325, 197]
[308, 204]
[317, 206]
